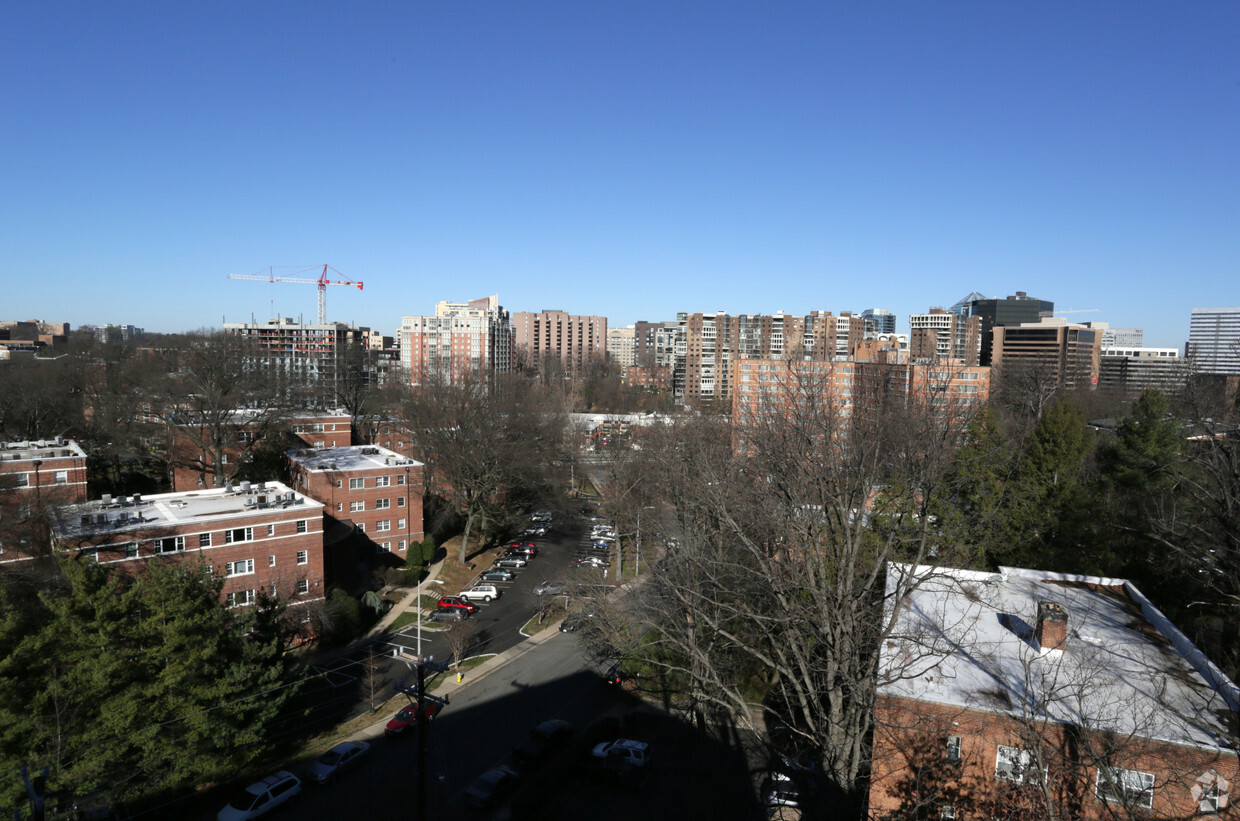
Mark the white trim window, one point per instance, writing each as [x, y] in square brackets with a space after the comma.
[303, 557]
[400, 524]
[303, 525]
[401, 545]
[170, 544]
[386, 547]
[242, 598]
[400, 501]
[385, 524]
[271, 560]
[382, 504]
[400, 479]
[1129, 787]
[953, 749]
[61, 477]
[383, 481]
[1014, 764]
[357, 507]
[303, 586]
[357, 484]
[204, 539]
[240, 534]
[244, 567]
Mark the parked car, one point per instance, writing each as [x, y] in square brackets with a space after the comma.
[623, 750]
[551, 587]
[616, 677]
[603, 530]
[408, 716]
[496, 575]
[448, 602]
[492, 786]
[486, 592]
[332, 763]
[543, 742]
[511, 561]
[602, 544]
[573, 621]
[261, 797]
[592, 561]
[541, 516]
[792, 782]
[536, 530]
[526, 549]
[450, 614]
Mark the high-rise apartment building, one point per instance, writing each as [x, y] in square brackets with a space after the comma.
[1214, 340]
[1129, 371]
[560, 341]
[942, 334]
[1012, 310]
[462, 338]
[621, 347]
[1069, 352]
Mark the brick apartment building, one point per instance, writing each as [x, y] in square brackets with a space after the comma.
[461, 339]
[258, 537]
[568, 341]
[35, 476]
[999, 692]
[193, 466]
[376, 491]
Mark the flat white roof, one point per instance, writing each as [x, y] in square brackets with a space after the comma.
[354, 457]
[120, 514]
[967, 638]
[43, 449]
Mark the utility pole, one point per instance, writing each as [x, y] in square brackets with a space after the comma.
[419, 695]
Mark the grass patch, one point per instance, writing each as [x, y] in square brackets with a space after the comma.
[403, 620]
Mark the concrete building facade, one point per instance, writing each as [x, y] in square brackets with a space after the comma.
[943, 334]
[1072, 353]
[1013, 310]
[1129, 371]
[318, 357]
[1214, 340]
[622, 347]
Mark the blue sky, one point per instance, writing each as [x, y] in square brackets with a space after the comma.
[624, 159]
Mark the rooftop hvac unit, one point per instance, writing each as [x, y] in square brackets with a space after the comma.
[250, 501]
[123, 500]
[101, 518]
[42, 443]
[107, 498]
[66, 453]
[245, 486]
[228, 488]
[137, 498]
[86, 519]
[123, 516]
[290, 495]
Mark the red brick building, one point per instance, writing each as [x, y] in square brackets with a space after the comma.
[258, 537]
[1033, 694]
[193, 466]
[35, 477]
[375, 490]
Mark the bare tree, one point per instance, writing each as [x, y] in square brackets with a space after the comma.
[459, 637]
[490, 444]
[774, 608]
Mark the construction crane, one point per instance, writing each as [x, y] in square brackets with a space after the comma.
[323, 281]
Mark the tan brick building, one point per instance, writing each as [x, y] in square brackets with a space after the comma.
[378, 492]
[258, 537]
[566, 340]
[1070, 353]
[1001, 694]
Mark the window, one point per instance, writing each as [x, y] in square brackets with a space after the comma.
[400, 524]
[241, 597]
[242, 568]
[1126, 786]
[204, 539]
[401, 545]
[303, 586]
[360, 527]
[400, 480]
[339, 507]
[303, 557]
[303, 525]
[953, 748]
[21, 479]
[357, 507]
[1013, 764]
[170, 544]
[382, 504]
[339, 483]
[400, 501]
[240, 534]
[271, 530]
[386, 547]
[386, 524]
[271, 560]
[131, 550]
[62, 477]
[383, 481]
[357, 484]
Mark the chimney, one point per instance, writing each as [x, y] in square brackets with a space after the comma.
[1052, 630]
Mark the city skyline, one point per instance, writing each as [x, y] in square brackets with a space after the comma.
[626, 162]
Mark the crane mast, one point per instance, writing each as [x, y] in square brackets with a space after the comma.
[322, 282]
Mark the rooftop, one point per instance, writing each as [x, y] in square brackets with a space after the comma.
[355, 457]
[968, 639]
[43, 449]
[120, 514]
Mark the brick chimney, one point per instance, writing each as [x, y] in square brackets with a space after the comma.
[1052, 630]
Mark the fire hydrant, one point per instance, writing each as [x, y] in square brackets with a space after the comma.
[460, 677]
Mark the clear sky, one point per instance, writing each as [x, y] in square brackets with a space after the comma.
[628, 159]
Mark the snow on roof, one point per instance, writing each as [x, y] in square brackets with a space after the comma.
[354, 457]
[969, 639]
